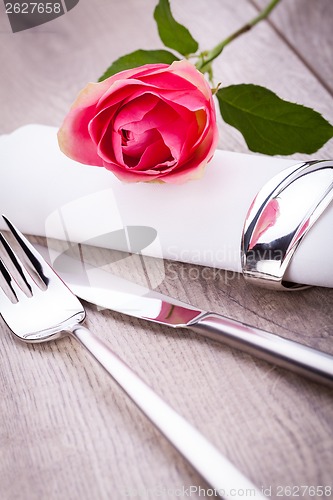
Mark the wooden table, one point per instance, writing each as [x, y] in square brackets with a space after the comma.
[67, 432]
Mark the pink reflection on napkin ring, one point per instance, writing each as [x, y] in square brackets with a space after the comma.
[279, 218]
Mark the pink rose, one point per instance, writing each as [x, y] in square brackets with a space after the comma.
[155, 122]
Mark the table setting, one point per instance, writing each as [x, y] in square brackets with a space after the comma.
[204, 283]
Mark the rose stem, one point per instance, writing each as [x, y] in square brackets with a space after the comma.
[203, 65]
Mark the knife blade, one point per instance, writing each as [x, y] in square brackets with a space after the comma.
[97, 286]
[109, 291]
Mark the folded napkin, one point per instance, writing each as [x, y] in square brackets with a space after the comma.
[46, 193]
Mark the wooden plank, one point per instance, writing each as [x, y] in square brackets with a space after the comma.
[67, 431]
[306, 26]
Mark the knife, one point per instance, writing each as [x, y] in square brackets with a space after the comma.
[109, 291]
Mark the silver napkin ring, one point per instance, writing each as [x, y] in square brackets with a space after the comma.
[280, 216]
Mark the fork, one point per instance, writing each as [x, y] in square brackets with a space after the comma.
[37, 306]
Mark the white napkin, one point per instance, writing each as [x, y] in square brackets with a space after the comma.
[46, 193]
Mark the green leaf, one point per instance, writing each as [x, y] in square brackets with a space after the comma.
[173, 35]
[139, 58]
[269, 124]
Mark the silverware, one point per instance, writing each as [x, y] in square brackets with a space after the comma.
[37, 306]
[118, 294]
[280, 216]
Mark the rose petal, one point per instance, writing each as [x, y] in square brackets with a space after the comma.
[189, 72]
[137, 145]
[168, 81]
[156, 156]
[135, 110]
[73, 136]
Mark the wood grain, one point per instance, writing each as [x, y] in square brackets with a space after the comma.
[67, 430]
[306, 27]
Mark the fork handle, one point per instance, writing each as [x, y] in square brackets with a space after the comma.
[216, 469]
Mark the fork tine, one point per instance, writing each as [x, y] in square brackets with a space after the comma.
[16, 263]
[34, 257]
[16, 282]
[6, 283]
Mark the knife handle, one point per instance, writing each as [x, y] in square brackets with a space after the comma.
[303, 360]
